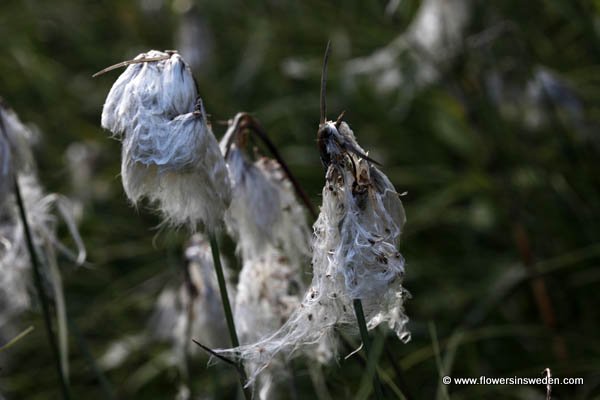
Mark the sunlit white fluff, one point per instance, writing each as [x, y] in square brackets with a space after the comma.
[355, 256]
[169, 154]
[165, 88]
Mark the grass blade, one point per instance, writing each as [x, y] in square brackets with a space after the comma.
[39, 286]
[364, 334]
[214, 246]
[14, 340]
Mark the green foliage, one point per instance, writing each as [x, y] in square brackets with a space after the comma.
[477, 156]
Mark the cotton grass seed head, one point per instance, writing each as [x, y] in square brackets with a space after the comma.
[358, 232]
[355, 256]
[193, 309]
[268, 292]
[170, 155]
[264, 210]
[15, 150]
[273, 239]
[165, 87]
[44, 212]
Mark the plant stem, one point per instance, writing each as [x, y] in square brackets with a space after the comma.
[37, 275]
[214, 247]
[364, 334]
[14, 340]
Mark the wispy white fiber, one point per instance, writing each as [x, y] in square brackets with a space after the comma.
[165, 88]
[273, 238]
[42, 213]
[15, 151]
[264, 209]
[169, 154]
[355, 256]
[193, 309]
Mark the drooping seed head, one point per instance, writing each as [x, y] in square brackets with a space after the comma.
[170, 155]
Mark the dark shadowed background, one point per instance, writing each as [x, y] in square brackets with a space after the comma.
[484, 113]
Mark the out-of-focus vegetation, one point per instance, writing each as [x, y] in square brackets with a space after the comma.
[485, 113]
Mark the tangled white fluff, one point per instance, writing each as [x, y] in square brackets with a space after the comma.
[264, 210]
[193, 309]
[15, 264]
[15, 152]
[169, 155]
[273, 242]
[355, 256]
[14, 258]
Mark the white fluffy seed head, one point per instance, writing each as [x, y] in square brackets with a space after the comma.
[193, 309]
[166, 88]
[15, 150]
[268, 291]
[264, 210]
[358, 233]
[43, 212]
[355, 256]
[169, 155]
[273, 239]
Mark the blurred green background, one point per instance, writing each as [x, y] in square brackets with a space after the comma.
[484, 113]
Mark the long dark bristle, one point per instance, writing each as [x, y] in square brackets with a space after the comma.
[324, 84]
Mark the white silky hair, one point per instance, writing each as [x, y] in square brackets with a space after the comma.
[264, 209]
[185, 312]
[165, 88]
[355, 256]
[170, 155]
[273, 242]
[15, 148]
[15, 265]
[42, 212]
[269, 290]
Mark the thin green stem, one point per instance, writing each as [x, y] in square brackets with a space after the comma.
[364, 334]
[442, 390]
[401, 381]
[214, 246]
[14, 340]
[44, 301]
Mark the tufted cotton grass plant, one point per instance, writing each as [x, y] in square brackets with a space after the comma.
[168, 144]
[355, 258]
[272, 235]
[169, 157]
[358, 231]
[15, 151]
[169, 154]
[28, 244]
[192, 309]
[194, 304]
